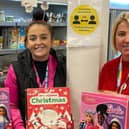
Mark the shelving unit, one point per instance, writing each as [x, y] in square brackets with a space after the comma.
[13, 8]
[11, 24]
[4, 24]
[13, 51]
[9, 51]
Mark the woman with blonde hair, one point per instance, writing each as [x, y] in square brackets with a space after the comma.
[114, 75]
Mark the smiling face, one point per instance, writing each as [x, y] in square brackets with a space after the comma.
[88, 118]
[101, 119]
[122, 39]
[115, 125]
[39, 41]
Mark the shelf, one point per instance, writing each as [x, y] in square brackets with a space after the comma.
[60, 48]
[9, 51]
[22, 23]
[15, 51]
[58, 24]
[7, 24]
[4, 24]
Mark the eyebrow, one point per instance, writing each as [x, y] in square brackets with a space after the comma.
[37, 35]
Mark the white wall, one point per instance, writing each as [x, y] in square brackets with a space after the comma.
[83, 65]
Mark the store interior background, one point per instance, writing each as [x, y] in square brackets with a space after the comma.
[7, 54]
[16, 17]
[13, 9]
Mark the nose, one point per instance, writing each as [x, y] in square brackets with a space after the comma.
[38, 40]
[127, 38]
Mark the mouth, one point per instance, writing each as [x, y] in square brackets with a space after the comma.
[125, 46]
[38, 48]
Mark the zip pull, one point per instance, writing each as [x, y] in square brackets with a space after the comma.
[123, 87]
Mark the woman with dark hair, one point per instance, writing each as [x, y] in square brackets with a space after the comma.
[37, 66]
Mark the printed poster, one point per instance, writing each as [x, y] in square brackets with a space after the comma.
[84, 23]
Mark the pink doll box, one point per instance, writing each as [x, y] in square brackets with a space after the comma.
[113, 107]
[5, 119]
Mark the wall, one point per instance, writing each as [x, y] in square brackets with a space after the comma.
[83, 66]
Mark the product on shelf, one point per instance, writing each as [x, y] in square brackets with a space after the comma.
[1, 41]
[48, 107]
[57, 43]
[21, 38]
[2, 16]
[9, 18]
[104, 110]
[13, 37]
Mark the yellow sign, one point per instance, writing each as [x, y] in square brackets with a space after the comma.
[84, 19]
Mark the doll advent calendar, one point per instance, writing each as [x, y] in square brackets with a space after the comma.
[104, 110]
[48, 108]
[5, 118]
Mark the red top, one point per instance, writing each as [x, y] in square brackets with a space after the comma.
[108, 76]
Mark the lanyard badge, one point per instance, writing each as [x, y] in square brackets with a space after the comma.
[45, 82]
[119, 78]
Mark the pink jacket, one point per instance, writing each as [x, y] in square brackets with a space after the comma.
[10, 82]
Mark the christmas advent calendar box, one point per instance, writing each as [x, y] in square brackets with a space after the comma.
[5, 119]
[104, 111]
[48, 108]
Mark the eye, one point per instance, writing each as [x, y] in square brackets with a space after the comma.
[121, 34]
[33, 38]
[43, 37]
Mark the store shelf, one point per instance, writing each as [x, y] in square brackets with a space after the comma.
[60, 48]
[22, 23]
[4, 52]
[5, 24]
[9, 51]
[58, 24]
